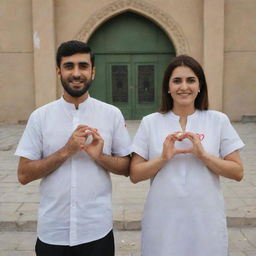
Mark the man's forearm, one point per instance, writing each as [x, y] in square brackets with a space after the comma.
[115, 164]
[30, 170]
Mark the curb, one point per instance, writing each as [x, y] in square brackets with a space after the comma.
[133, 225]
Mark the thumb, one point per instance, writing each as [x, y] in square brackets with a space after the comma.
[184, 151]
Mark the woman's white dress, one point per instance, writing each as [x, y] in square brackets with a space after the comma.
[184, 213]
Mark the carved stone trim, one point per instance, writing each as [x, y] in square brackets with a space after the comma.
[164, 20]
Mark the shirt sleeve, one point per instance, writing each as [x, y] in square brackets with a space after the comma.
[121, 139]
[30, 144]
[229, 139]
[140, 141]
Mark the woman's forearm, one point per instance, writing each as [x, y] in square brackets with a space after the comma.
[143, 170]
[231, 167]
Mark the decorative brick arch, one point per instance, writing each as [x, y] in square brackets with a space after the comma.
[162, 19]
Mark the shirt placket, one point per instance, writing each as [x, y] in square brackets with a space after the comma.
[73, 192]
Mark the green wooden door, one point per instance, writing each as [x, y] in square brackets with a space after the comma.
[131, 55]
[131, 83]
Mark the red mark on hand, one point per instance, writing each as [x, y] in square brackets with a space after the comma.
[200, 136]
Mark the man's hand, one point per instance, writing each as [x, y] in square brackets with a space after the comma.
[77, 139]
[95, 147]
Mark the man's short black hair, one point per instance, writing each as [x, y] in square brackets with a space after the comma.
[72, 47]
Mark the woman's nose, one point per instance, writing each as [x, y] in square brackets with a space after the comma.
[184, 84]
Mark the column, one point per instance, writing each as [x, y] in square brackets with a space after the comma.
[214, 50]
[44, 51]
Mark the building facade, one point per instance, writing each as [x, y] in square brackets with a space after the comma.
[133, 41]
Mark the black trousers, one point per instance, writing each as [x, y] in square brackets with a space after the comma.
[102, 247]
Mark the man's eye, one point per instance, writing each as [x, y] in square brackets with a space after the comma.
[68, 67]
[83, 66]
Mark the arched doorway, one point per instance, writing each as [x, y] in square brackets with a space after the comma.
[131, 55]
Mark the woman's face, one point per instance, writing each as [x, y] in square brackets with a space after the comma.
[183, 86]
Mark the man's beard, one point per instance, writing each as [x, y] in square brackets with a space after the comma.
[76, 93]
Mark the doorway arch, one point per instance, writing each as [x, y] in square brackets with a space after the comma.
[164, 20]
[131, 55]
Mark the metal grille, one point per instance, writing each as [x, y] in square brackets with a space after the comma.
[120, 83]
[146, 78]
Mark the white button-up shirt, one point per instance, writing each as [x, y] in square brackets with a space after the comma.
[75, 204]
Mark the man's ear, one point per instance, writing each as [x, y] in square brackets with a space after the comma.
[57, 70]
[93, 72]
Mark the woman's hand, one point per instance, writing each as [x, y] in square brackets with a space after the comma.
[230, 167]
[142, 169]
[169, 149]
[197, 148]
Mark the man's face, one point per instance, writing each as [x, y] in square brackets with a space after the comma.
[76, 74]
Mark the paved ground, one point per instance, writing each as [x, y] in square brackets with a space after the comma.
[18, 204]
[242, 242]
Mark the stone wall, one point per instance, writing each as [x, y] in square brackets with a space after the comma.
[220, 34]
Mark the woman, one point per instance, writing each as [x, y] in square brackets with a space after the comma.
[184, 149]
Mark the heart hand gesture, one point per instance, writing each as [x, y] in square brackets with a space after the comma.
[169, 149]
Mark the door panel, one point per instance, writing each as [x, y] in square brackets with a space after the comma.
[118, 86]
[119, 80]
[132, 85]
[118, 83]
[146, 84]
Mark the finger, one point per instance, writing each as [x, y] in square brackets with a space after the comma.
[84, 128]
[170, 138]
[173, 136]
[97, 133]
[84, 132]
[192, 137]
[78, 135]
[81, 127]
[180, 135]
[91, 129]
[96, 136]
[184, 151]
[191, 134]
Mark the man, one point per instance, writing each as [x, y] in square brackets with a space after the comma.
[72, 144]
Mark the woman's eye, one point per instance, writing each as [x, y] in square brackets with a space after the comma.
[176, 81]
[191, 80]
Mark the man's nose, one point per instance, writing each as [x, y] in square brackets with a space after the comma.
[76, 72]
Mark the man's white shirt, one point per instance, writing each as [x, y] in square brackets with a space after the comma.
[75, 199]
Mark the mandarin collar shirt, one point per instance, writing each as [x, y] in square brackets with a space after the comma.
[75, 199]
[184, 212]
